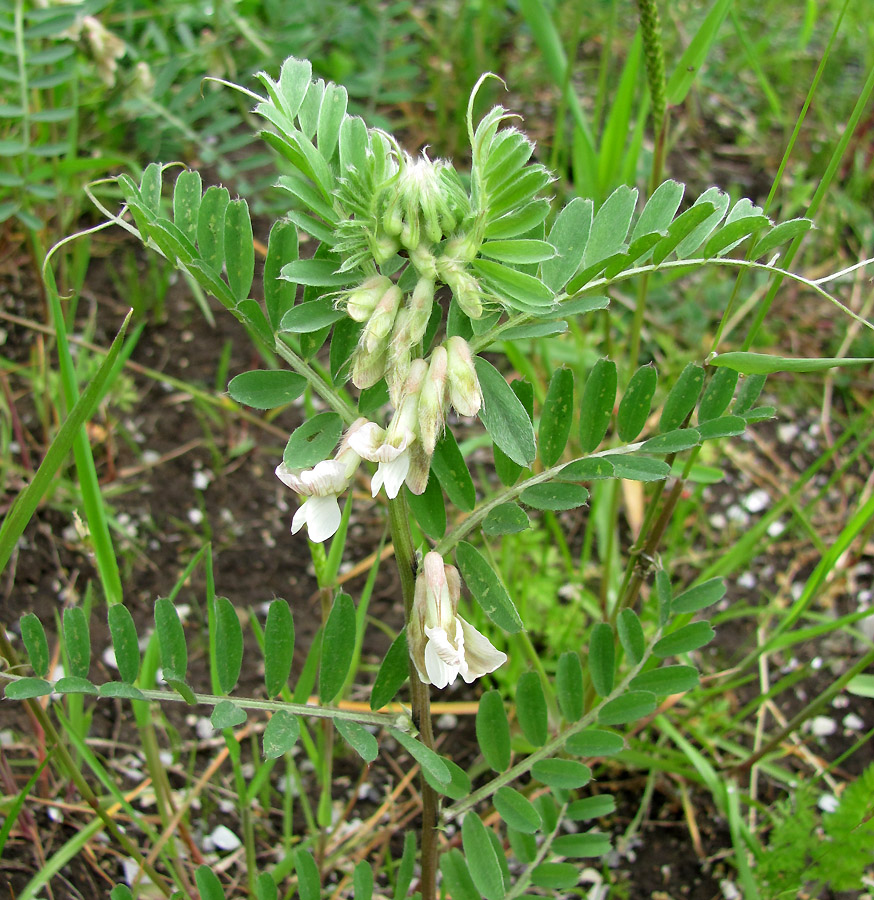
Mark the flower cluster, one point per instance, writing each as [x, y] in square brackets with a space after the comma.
[442, 644]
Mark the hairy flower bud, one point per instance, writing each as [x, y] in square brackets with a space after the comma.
[380, 323]
[420, 308]
[465, 288]
[465, 393]
[362, 301]
[432, 401]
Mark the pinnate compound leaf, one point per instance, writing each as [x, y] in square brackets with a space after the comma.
[208, 885]
[628, 707]
[458, 785]
[171, 639]
[569, 685]
[556, 417]
[666, 680]
[684, 640]
[636, 403]
[227, 715]
[125, 642]
[456, 876]
[77, 641]
[278, 646]
[506, 518]
[228, 644]
[565, 774]
[579, 846]
[452, 472]
[631, 635]
[517, 810]
[699, 597]
[682, 397]
[594, 742]
[35, 642]
[602, 659]
[280, 735]
[424, 756]
[359, 739]
[569, 235]
[493, 731]
[266, 388]
[504, 416]
[393, 672]
[27, 689]
[338, 647]
[531, 709]
[717, 395]
[596, 406]
[591, 808]
[487, 590]
[313, 441]
[512, 287]
[554, 495]
[485, 867]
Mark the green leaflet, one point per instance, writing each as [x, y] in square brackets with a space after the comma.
[487, 590]
[338, 647]
[228, 644]
[266, 389]
[556, 416]
[493, 731]
[504, 416]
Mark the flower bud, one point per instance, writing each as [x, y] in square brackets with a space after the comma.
[424, 262]
[465, 288]
[432, 401]
[367, 367]
[465, 393]
[382, 247]
[362, 301]
[380, 323]
[420, 309]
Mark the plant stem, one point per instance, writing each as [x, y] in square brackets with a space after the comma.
[405, 556]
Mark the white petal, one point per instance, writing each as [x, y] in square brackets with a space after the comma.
[393, 474]
[300, 517]
[440, 673]
[481, 656]
[323, 517]
[367, 439]
[289, 477]
[327, 477]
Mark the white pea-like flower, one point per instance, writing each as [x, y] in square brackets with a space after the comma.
[442, 644]
[322, 486]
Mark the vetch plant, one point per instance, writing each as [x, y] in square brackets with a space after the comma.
[418, 271]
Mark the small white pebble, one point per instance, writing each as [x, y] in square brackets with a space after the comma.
[718, 521]
[203, 727]
[842, 701]
[776, 528]
[195, 516]
[852, 722]
[737, 514]
[222, 838]
[787, 432]
[150, 457]
[55, 814]
[447, 722]
[729, 890]
[201, 480]
[823, 726]
[816, 663]
[166, 758]
[828, 803]
[757, 501]
[747, 580]
[108, 657]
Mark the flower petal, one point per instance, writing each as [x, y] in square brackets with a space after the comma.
[439, 659]
[481, 656]
[323, 517]
[392, 475]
